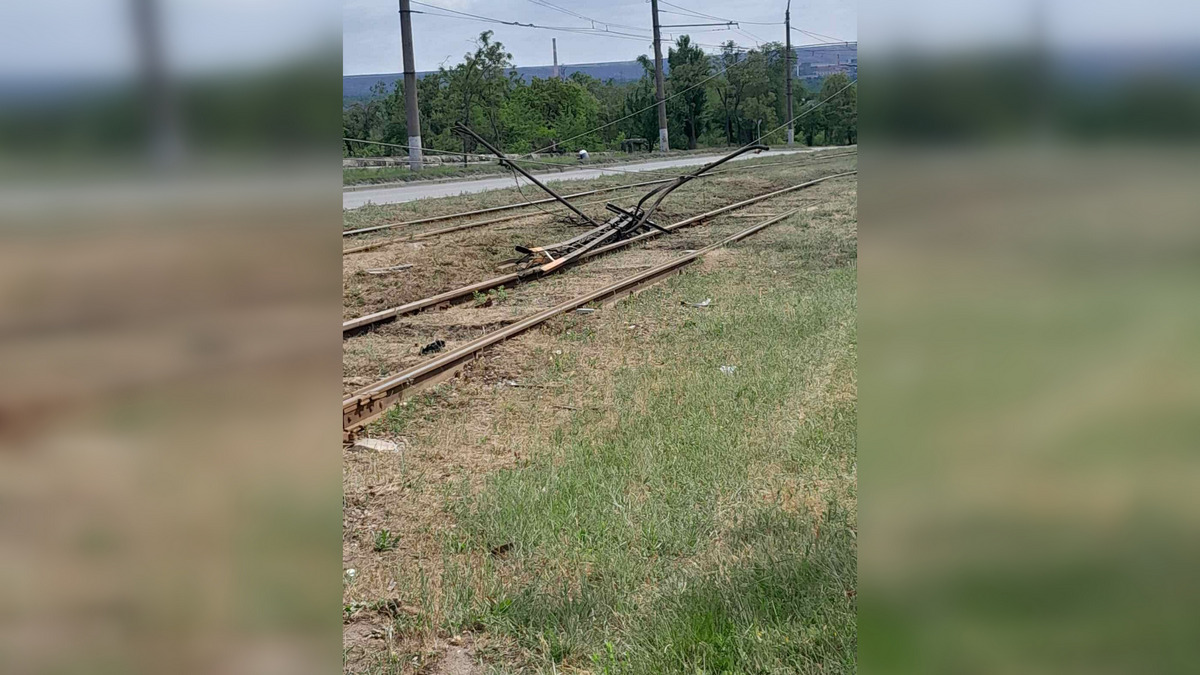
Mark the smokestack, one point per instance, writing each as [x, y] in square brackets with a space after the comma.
[554, 45]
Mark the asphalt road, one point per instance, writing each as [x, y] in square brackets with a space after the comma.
[397, 194]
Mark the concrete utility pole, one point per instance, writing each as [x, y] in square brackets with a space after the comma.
[554, 46]
[663, 144]
[412, 114]
[787, 61]
[166, 139]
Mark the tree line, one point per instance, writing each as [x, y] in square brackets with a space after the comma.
[729, 99]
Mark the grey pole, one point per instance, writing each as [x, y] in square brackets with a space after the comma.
[412, 114]
[787, 60]
[166, 139]
[663, 144]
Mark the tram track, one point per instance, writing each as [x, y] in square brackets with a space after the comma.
[369, 403]
[364, 323]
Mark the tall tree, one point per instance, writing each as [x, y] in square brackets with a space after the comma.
[744, 93]
[840, 109]
[548, 111]
[610, 98]
[364, 120]
[642, 117]
[689, 67]
[479, 85]
[729, 87]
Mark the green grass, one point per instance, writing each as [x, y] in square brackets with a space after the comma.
[697, 522]
[385, 541]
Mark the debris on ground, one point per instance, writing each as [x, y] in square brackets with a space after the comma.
[433, 347]
[386, 270]
[728, 370]
[703, 303]
[584, 310]
[376, 444]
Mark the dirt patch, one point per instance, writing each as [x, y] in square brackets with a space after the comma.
[457, 660]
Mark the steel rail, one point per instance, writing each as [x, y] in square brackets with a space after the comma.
[369, 403]
[357, 325]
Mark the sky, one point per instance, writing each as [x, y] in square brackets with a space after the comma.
[371, 28]
[94, 38]
[88, 38]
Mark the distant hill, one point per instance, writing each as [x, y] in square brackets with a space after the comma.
[811, 63]
[359, 86]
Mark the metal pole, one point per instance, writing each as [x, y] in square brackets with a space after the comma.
[554, 46]
[787, 60]
[412, 114]
[462, 129]
[663, 144]
[166, 142]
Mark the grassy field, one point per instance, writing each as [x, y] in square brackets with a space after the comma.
[600, 496]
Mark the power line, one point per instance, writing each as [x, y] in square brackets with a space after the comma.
[562, 29]
[550, 5]
[581, 30]
[824, 44]
[692, 12]
[823, 37]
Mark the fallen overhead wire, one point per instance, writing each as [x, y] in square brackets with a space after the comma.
[806, 159]
[362, 323]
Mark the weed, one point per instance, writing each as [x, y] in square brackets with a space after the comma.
[385, 541]
[492, 297]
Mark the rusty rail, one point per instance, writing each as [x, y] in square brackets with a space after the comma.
[357, 325]
[369, 403]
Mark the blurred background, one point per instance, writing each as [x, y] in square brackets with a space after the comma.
[1030, 353]
[169, 275]
[1030, 337]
